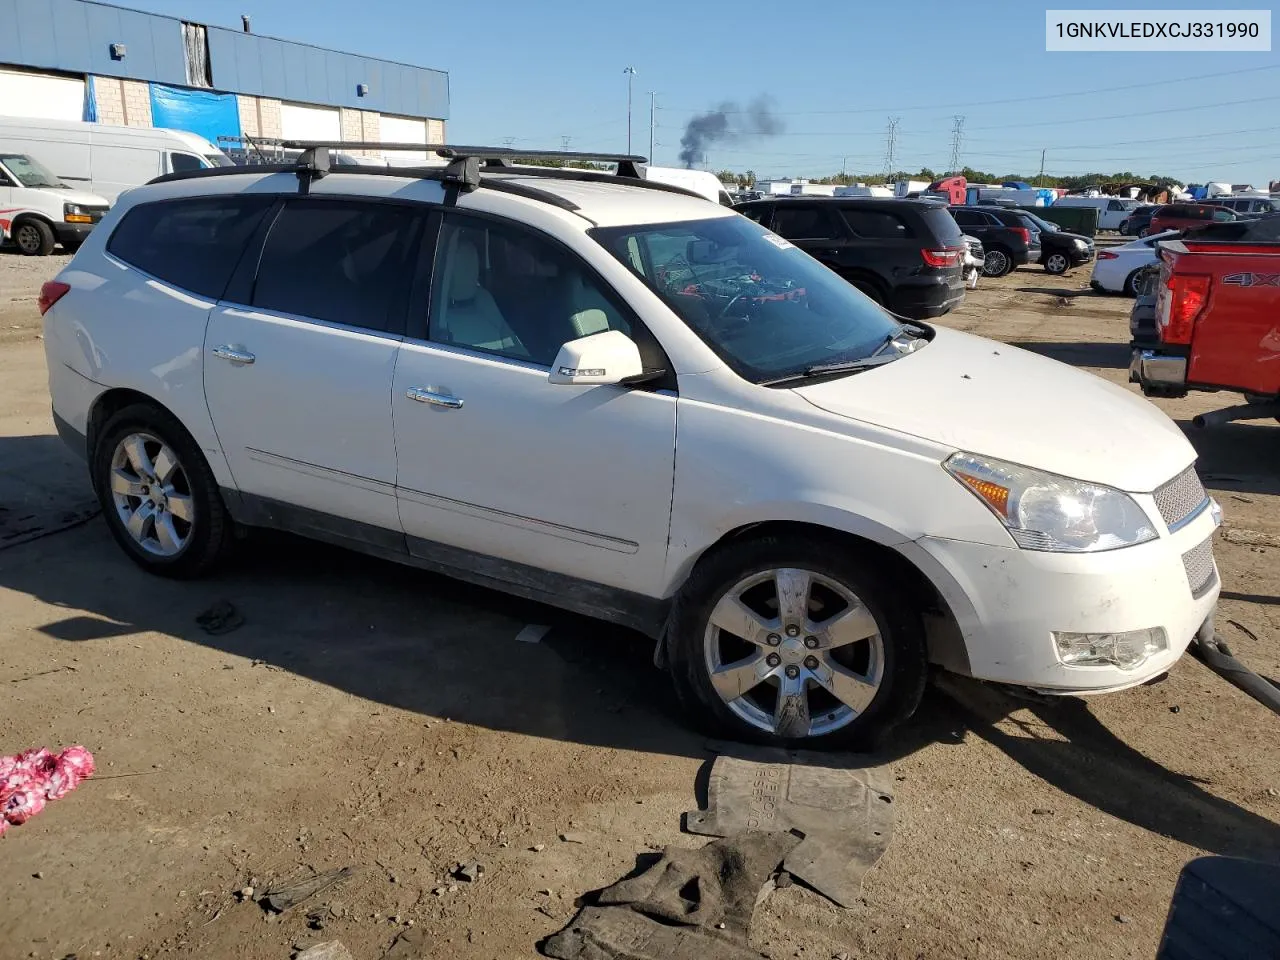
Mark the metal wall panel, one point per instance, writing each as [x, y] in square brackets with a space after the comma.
[75, 36]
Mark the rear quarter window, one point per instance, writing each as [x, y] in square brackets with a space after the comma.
[941, 225]
[876, 224]
[194, 244]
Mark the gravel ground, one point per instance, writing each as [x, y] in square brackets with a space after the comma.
[372, 715]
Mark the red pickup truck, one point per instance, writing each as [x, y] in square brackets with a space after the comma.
[1217, 319]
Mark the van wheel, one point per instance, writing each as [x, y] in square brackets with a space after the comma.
[158, 494]
[1056, 263]
[34, 238]
[997, 262]
[787, 641]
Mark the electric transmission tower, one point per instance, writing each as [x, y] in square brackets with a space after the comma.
[957, 138]
[891, 145]
[564, 143]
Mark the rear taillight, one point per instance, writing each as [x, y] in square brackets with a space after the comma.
[1179, 305]
[941, 258]
[51, 293]
[1108, 255]
[1023, 233]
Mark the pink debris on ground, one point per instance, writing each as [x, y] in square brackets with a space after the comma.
[30, 778]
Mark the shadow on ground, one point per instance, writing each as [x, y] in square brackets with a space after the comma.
[1079, 353]
[1237, 457]
[422, 643]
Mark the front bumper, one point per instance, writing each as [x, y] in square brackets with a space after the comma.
[72, 232]
[1009, 602]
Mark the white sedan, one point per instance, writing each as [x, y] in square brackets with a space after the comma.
[1116, 270]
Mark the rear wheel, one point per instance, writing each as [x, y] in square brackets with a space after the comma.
[784, 640]
[1131, 283]
[158, 494]
[1056, 263]
[34, 238]
[997, 262]
[869, 288]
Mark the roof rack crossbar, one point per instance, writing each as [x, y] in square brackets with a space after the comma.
[452, 150]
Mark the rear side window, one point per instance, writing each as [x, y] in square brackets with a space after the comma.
[343, 261]
[875, 224]
[754, 213]
[941, 226]
[194, 244]
[970, 218]
[804, 222]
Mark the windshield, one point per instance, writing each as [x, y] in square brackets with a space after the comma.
[219, 160]
[29, 172]
[767, 309]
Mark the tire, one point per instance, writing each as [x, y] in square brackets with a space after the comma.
[34, 238]
[1057, 263]
[868, 288]
[1131, 283]
[893, 657]
[171, 542]
[997, 263]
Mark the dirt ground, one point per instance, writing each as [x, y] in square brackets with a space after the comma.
[372, 715]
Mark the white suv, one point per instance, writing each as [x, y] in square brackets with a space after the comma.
[609, 395]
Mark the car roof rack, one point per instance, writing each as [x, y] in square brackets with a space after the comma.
[466, 167]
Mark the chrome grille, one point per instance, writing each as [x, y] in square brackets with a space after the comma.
[1198, 562]
[1180, 497]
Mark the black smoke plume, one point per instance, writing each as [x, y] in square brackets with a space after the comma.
[727, 124]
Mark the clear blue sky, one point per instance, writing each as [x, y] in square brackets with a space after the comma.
[835, 72]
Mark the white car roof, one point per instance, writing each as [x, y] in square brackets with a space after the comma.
[603, 204]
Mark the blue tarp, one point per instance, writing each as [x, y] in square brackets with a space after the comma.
[90, 101]
[202, 112]
[1016, 185]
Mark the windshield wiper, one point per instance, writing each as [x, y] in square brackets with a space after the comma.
[831, 369]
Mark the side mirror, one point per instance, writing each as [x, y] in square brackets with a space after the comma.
[608, 357]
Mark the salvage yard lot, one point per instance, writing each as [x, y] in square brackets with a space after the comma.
[373, 715]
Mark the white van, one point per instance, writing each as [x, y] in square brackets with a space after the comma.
[702, 182]
[37, 210]
[107, 159]
[1111, 210]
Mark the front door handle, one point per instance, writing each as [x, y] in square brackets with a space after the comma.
[235, 355]
[434, 397]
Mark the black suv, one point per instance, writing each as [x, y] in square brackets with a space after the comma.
[907, 255]
[1007, 240]
[1060, 250]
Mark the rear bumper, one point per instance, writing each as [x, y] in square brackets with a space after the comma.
[925, 300]
[1159, 371]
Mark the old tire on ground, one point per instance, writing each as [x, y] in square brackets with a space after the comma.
[34, 238]
[158, 495]
[796, 641]
[1056, 263]
[998, 262]
[1131, 283]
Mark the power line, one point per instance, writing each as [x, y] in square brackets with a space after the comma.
[1163, 82]
[1136, 115]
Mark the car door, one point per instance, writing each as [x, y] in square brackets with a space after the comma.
[494, 459]
[813, 226]
[298, 364]
[7, 206]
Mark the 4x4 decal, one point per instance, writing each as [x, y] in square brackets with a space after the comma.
[1253, 279]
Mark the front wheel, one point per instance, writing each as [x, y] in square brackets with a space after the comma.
[159, 496]
[1056, 263]
[34, 238]
[788, 641]
[997, 262]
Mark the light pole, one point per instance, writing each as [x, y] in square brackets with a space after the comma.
[651, 108]
[631, 75]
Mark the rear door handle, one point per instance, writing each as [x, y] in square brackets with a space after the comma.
[235, 355]
[434, 397]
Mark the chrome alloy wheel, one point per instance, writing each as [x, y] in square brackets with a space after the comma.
[1057, 263]
[996, 263]
[152, 495]
[793, 653]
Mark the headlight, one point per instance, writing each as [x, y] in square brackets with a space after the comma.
[74, 214]
[1080, 245]
[1043, 511]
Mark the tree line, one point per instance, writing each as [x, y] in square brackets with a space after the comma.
[1078, 182]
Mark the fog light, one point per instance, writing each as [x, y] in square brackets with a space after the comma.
[1124, 650]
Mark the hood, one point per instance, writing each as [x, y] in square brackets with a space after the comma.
[990, 398]
[82, 197]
